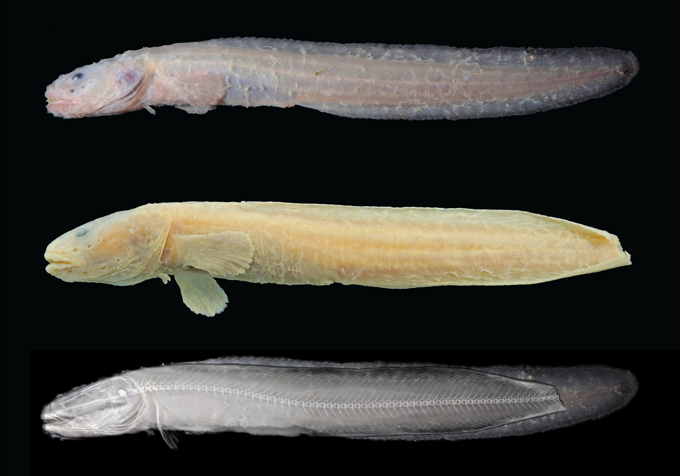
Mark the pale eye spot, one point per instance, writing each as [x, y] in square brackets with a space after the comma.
[82, 233]
[77, 76]
[466, 79]
[122, 393]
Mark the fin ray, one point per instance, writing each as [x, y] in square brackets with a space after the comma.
[221, 254]
[201, 293]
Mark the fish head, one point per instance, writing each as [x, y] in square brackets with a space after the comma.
[104, 88]
[123, 248]
[109, 407]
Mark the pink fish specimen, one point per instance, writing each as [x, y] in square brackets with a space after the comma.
[354, 80]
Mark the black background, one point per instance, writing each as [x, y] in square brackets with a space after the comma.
[589, 163]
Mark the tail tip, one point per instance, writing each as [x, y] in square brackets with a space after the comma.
[630, 66]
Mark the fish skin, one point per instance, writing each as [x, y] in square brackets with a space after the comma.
[287, 243]
[358, 400]
[352, 80]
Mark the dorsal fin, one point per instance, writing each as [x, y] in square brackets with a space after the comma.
[285, 362]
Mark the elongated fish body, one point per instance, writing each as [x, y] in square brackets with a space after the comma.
[380, 400]
[287, 243]
[353, 80]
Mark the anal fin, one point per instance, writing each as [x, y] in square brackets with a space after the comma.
[201, 293]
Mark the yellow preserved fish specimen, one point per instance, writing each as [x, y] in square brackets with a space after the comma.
[288, 243]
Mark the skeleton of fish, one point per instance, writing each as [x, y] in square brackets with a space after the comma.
[264, 396]
[287, 243]
[354, 80]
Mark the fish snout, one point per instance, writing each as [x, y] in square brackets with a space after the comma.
[50, 414]
[52, 419]
[58, 421]
[59, 261]
[58, 102]
[59, 107]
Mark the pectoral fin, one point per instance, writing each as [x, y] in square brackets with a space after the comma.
[199, 92]
[201, 293]
[221, 254]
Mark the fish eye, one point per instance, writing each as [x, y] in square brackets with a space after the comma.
[82, 233]
[77, 76]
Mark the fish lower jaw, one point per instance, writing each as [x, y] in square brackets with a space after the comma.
[52, 422]
[63, 272]
[60, 430]
[50, 428]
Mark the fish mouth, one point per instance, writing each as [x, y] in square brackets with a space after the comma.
[54, 96]
[58, 103]
[53, 419]
[58, 262]
[55, 423]
[60, 106]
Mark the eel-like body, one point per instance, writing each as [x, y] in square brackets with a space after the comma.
[360, 400]
[354, 80]
[287, 243]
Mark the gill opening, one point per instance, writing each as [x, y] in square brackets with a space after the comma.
[165, 242]
[124, 101]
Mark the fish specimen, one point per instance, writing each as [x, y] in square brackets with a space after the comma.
[288, 243]
[264, 396]
[353, 80]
